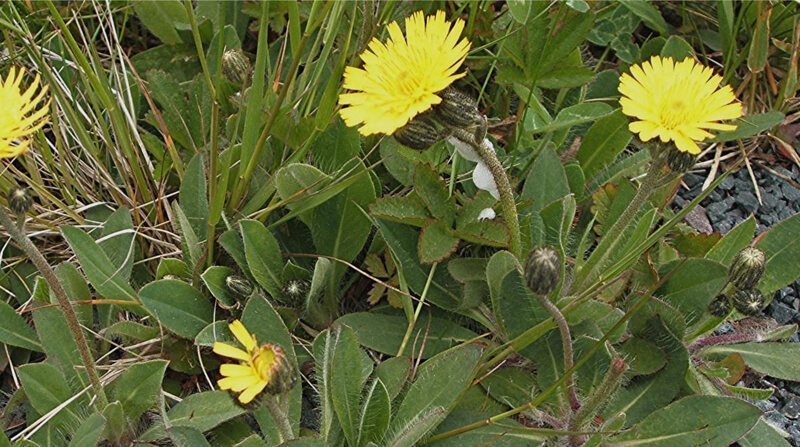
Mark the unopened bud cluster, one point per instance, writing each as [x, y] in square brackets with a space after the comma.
[744, 273]
[19, 200]
[283, 376]
[456, 110]
[236, 66]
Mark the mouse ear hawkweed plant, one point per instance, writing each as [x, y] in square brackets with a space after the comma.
[677, 103]
[21, 115]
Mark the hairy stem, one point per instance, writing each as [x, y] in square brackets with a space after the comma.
[22, 240]
[566, 344]
[277, 407]
[598, 398]
[507, 203]
[613, 236]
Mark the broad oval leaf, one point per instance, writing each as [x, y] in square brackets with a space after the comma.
[178, 306]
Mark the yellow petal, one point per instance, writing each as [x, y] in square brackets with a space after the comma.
[237, 384]
[252, 391]
[232, 370]
[240, 332]
[227, 350]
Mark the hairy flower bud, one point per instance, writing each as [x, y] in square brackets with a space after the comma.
[720, 306]
[295, 290]
[457, 109]
[543, 270]
[419, 133]
[283, 376]
[748, 302]
[239, 285]
[746, 268]
[679, 161]
[236, 66]
[19, 200]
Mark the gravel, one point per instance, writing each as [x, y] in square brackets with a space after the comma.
[731, 203]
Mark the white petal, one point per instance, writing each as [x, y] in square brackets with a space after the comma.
[487, 214]
[464, 149]
[488, 144]
[483, 179]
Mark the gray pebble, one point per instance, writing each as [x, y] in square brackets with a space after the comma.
[792, 408]
[748, 201]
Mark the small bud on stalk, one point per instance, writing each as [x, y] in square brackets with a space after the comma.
[749, 302]
[236, 66]
[420, 133]
[679, 161]
[747, 268]
[239, 285]
[720, 306]
[543, 270]
[19, 200]
[457, 109]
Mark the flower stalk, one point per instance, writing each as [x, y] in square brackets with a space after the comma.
[277, 407]
[18, 234]
[507, 203]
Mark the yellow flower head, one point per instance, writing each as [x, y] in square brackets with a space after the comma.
[400, 78]
[19, 115]
[257, 364]
[676, 102]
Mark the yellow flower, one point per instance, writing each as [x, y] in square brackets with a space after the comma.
[400, 78]
[19, 115]
[257, 364]
[677, 102]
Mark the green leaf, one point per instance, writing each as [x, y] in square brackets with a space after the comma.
[647, 394]
[692, 285]
[214, 278]
[575, 115]
[393, 373]
[406, 210]
[178, 306]
[603, 142]
[773, 359]
[89, 432]
[77, 290]
[162, 17]
[759, 40]
[402, 241]
[763, 434]
[346, 381]
[733, 242]
[108, 280]
[547, 181]
[174, 267]
[409, 433]
[194, 197]
[510, 386]
[644, 356]
[116, 425]
[782, 248]
[432, 190]
[117, 241]
[677, 48]
[711, 421]
[519, 10]
[298, 180]
[200, 411]
[187, 437]
[132, 330]
[138, 387]
[750, 125]
[439, 382]
[384, 333]
[375, 414]
[565, 77]
[263, 256]
[335, 147]
[567, 38]
[190, 243]
[436, 243]
[648, 13]
[61, 350]
[46, 388]
[15, 331]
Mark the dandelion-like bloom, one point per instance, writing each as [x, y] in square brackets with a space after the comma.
[257, 364]
[400, 78]
[20, 113]
[677, 102]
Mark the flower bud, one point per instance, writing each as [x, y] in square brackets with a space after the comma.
[239, 285]
[19, 200]
[420, 133]
[746, 268]
[283, 376]
[295, 290]
[720, 306]
[543, 270]
[457, 109]
[235, 66]
[748, 302]
[679, 161]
